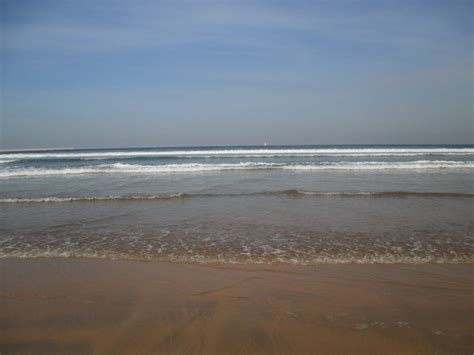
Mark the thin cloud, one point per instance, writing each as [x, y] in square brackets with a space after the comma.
[154, 25]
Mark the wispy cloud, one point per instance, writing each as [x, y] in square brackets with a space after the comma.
[133, 25]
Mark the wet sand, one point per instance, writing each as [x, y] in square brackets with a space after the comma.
[89, 306]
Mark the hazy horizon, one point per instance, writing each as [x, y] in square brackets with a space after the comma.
[219, 73]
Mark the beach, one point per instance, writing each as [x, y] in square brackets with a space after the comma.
[236, 177]
[237, 250]
[90, 306]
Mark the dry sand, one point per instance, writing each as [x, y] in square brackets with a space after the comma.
[84, 306]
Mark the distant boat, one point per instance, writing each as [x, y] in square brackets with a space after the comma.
[265, 144]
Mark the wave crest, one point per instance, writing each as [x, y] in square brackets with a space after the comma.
[290, 193]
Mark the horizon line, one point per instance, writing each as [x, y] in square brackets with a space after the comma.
[20, 150]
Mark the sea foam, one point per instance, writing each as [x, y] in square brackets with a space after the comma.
[199, 167]
[210, 153]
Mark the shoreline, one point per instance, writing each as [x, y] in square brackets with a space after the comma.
[89, 305]
[241, 263]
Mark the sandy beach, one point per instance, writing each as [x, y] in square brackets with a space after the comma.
[91, 306]
[236, 177]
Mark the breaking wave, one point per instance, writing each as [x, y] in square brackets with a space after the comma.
[198, 167]
[223, 153]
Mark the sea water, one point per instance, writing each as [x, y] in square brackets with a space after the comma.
[250, 204]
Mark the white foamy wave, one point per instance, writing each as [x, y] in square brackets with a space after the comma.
[222, 153]
[54, 199]
[370, 165]
[135, 168]
[196, 168]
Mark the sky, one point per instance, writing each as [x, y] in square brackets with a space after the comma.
[88, 74]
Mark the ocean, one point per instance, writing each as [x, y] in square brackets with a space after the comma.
[247, 204]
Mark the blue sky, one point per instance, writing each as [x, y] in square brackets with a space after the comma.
[168, 73]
